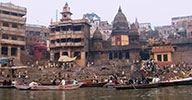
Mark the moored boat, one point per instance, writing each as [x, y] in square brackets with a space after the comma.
[137, 86]
[184, 81]
[94, 84]
[53, 87]
[7, 86]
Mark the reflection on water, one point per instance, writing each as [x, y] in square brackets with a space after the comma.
[167, 93]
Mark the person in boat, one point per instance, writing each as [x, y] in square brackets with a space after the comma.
[130, 81]
[139, 81]
[33, 83]
[63, 81]
[155, 80]
[9, 82]
[75, 81]
[54, 82]
[4, 82]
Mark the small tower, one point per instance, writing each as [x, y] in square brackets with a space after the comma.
[66, 14]
[136, 23]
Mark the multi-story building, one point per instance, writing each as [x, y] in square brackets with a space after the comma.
[70, 38]
[94, 19]
[105, 29]
[12, 21]
[164, 31]
[35, 35]
[182, 26]
[145, 27]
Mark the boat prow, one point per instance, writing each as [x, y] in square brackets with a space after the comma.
[23, 87]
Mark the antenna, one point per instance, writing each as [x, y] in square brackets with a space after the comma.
[56, 15]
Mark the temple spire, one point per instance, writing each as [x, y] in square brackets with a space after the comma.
[136, 23]
[66, 14]
[119, 9]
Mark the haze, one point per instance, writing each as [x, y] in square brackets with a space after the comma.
[157, 12]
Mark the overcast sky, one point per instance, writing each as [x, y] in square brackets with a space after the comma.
[157, 12]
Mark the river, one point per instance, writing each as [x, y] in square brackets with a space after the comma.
[165, 93]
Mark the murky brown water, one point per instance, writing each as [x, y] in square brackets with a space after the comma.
[167, 93]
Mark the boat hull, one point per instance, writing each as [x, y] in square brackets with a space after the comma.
[94, 84]
[7, 86]
[41, 87]
[137, 86]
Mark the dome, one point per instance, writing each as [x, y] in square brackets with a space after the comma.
[97, 35]
[120, 24]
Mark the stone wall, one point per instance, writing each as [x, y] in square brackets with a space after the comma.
[183, 53]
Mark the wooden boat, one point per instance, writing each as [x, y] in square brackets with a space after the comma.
[23, 87]
[7, 86]
[53, 87]
[96, 84]
[109, 85]
[137, 86]
[184, 81]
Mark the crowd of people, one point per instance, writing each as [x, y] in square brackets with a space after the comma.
[137, 72]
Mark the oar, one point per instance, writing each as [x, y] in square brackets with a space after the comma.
[133, 85]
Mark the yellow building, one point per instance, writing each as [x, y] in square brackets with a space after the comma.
[12, 31]
[163, 54]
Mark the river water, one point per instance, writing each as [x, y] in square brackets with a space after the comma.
[165, 93]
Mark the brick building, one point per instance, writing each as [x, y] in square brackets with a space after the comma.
[35, 35]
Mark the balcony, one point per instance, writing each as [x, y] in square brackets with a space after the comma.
[15, 19]
[12, 42]
[14, 31]
[69, 44]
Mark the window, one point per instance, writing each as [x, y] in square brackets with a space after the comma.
[63, 40]
[37, 33]
[78, 55]
[6, 12]
[65, 53]
[58, 40]
[64, 28]
[165, 57]
[158, 57]
[110, 55]
[52, 41]
[4, 51]
[69, 39]
[14, 25]
[13, 37]
[52, 30]
[64, 16]
[115, 54]
[57, 29]
[6, 24]
[77, 28]
[56, 56]
[5, 36]
[13, 51]
[23, 39]
[127, 55]
[120, 55]
[77, 40]
[14, 14]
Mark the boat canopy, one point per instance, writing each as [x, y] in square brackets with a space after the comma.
[66, 59]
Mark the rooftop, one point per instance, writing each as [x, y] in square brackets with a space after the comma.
[10, 5]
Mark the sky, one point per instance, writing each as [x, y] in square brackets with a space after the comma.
[156, 12]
